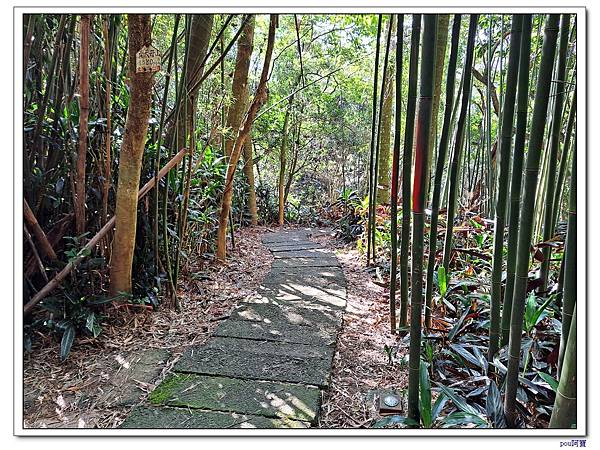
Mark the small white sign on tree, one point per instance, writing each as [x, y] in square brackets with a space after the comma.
[147, 60]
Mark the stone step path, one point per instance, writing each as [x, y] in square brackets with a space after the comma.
[265, 366]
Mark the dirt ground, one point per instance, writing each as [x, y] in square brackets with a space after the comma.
[362, 366]
[104, 378]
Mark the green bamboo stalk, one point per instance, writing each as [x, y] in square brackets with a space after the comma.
[395, 171]
[488, 119]
[570, 276]
[517, 173]
[458, 143]
[564, 158]
[508, 112]
[419, 187]
[372, 176]
[554, 146]
[538, 123]
[159, 141]
[564, 412]
[407, 164]
[441, 161]
[374, 189]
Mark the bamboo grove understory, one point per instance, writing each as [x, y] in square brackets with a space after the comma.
[442, 146]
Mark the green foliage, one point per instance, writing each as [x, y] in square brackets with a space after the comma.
[534, 313]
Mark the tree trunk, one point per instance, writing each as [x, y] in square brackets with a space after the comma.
[506, 131]
[84, 109]
[383, 176]
[239, 85]
[282, 163]
[418, 209]
[130, 157]
[538, 122]
[249, 172]
[259, 99]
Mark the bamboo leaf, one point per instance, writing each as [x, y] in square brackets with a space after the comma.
[67, 341]
[550, 380]
[494, 407]
[425, 396]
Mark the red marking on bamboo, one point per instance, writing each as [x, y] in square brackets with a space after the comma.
[418, 180]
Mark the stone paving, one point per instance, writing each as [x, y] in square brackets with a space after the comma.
[265, 366]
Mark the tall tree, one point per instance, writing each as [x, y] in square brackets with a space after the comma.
[506, 131]
[458, 143]
[130, 156]
[239, 88]
[439, 169]
[516, 176]
[418, 209]
[260, 97]
[407, 164]
[538, 122]
[239, 85]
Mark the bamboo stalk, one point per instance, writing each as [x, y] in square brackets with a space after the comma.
[395, 171]
[441, 162]
[458, 143]
[36, 255]
[554, 146]
[418, 209]
[409, 129]
[564, 411]
[570, 264]
[538, 122]
[84, 109]
[39, 234]
[372, 177]
[517, 173]
[506, 131]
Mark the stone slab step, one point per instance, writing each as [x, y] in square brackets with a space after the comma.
[287, 246]
[276, 332]
[269, 311]
[181, 418]
[259, 360]
[304, 253]
[254, 398]
[330, 298]
[324, 261]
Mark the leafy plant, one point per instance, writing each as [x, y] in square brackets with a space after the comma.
[534, 314]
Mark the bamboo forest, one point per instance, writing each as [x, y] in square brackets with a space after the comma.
[291, 220]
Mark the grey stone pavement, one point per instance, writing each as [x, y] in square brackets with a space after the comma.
[265, 366]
